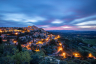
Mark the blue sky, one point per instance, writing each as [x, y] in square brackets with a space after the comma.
[49, 14]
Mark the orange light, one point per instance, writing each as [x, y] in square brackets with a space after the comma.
[90, 55]
[39, 42]
[16, 33]
[42, 39]
[0, 30]
[60, 44]
[60, 48]
[28, 48]
[30, 42]
[23, 45]
[47, 39]
[55, 38]
[76, 54]
[37, 50]
[58, 36]
[64, 55]
[14, 41]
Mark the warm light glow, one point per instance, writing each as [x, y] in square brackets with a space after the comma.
[4, 40]
[14, 41]
[28, 47]
[90, 55]
[55, 38]
[39, 42]
[60, 49]
[37, 50]
[23, 45]
[23, 31]
[64, 55]
[30, 42]
[0, 30]
[58, 36]
[76, 54]
[60, 44]
[42, 39]
[16, 33]
[47, 39]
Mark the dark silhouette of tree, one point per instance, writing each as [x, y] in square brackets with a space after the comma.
[0, 40]
[84, 54]
[33, 38]
[19, 46]
[52, 42]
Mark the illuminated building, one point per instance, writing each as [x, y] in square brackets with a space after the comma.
[76, 54]
[39, 42]
[90, 55]
[64, 54]
[37, 50]
[60, 44]
[60, 49]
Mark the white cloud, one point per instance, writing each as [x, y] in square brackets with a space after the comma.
[22, 17]
[57, 21]
[45, 26]
[86, 26]
[87, 23]
[83, 19]
[14, 17]
[31, 20]
[66, 27]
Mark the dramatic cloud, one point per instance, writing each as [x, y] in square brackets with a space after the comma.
[87, 23]
[66, 27]
[49, 14]
[57, 21]
[87, 26]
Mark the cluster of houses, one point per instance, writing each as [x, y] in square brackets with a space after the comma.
[35, 36]
[20, 29]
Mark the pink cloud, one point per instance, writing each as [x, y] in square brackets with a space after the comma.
[65, 27]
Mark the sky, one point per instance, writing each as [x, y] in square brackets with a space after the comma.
[49, 14]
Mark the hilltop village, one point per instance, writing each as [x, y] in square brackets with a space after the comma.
[33, 45]
[27, 36]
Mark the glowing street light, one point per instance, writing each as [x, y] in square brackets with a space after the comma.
[90, 55]
[60, 49]
[60, 44]
[16, 33]
[14, 41]
[64, 54]
[39, 42]
[58, 36]
[76, 54]
[1, 31]
[37, 50]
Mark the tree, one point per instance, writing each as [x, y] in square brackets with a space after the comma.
[85, 62]
[84, 54]
[1, 50]
[52, 42]
[93, 61]
[63, 62]
[18, 57]
[35, 59]
[19, 46]
[0, 40]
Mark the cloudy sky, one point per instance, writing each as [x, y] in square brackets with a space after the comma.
[49, 14]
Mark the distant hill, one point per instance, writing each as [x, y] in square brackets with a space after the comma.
[72, 31]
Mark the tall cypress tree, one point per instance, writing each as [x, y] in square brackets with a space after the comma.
[0, 40]
[19, 46]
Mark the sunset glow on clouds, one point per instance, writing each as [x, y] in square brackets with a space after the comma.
[49, 14]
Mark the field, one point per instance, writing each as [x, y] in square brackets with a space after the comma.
[89, 41]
